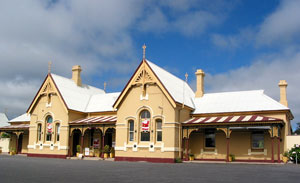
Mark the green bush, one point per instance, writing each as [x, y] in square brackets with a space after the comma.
[106, 149]
[232, 157]
[78, 148]
[178, 160]
[5, 135]
[292, 153]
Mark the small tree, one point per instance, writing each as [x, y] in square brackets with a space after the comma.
[78, 148]
[292, 153]
[106, 149]
[297, 131]
[5, 135]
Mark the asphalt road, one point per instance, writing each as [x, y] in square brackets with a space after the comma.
[24, 169]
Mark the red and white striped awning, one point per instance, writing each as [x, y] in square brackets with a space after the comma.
[15, 127]
[231, 119]
[102, 119]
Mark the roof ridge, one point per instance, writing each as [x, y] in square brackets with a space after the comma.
[82, 83]
[166, 71]
[273, 100]
[244, 91]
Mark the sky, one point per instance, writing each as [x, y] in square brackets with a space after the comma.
[240, 45]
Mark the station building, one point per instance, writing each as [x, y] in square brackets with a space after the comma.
[157, 117]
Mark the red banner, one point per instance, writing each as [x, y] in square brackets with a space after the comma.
[49, 127]
[145, 124]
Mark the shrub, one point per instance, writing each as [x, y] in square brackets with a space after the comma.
[178, 160]
[5, 135]
[78, 148]
[292, 153]
[106, 149]
[232, 157]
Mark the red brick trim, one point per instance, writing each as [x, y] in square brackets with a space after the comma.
[239, 160]
[152, 160]
[210, 159]
[47, 155]
[257, 161]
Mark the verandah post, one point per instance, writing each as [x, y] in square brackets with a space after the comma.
[82, 143]
[17, 143]
[278, 146]
[102, 146]
[227, 157]
[187, 150]
[272, 140]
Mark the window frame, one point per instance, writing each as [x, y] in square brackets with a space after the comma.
[39, 132]
[57, 131]
[48, 135]
[145, 136]
[209, 132]
[158, 130]
[130, 131]
[258, 134]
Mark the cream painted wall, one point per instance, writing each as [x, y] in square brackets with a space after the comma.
[39, 113]
[291, 140]
[159, 107]
[240, 146]
[4, 144]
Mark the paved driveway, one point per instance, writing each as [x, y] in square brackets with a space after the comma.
[24, 169]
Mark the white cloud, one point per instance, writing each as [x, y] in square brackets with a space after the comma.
[187, 17]
[264, 73]
[282, 26]
[279, 29]
[94, 34]
[243, 38]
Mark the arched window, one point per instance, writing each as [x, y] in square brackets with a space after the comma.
[49, 128]
[145, 125]
[57, 129]
[158, 130]
[131, 130]
[39, 134]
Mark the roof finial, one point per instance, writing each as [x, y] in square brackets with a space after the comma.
[144, 51]
[104, 84]
[5, 110]
[186, 77]
[49, 67]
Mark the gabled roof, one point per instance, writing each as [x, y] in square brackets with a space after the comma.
[102, 102]
[178, 89]
[240, 101]
[22, 118]
[3, 119]
[76, 97]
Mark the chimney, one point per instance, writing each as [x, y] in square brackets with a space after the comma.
[76, 69]
[200, 83]
[282, 86]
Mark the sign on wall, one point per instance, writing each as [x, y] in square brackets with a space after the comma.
[86, 151]
[96, 143]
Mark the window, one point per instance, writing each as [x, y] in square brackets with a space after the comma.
[131, 130]
[49, 129]
[57, 132]
[158, 130]
[39, 132]
[145, 123]
[210, 138]
[257, 140]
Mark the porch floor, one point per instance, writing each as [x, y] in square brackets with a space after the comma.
[91, 158]
[235, 162]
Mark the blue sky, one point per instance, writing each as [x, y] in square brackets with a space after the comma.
[241, 45]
